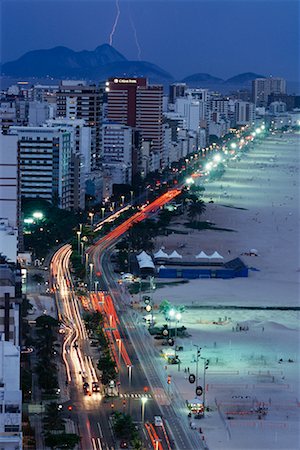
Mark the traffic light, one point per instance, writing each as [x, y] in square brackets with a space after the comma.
[169, 379]
[70, 407]
[206, 364]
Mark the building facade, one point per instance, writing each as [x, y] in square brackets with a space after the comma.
[263, 87]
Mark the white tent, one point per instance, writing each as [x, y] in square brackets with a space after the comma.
[201, 255]
[216, 255]
[161, 254]
[161, 267]
[175, 255]
[145, 261]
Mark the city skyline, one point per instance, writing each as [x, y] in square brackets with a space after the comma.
[243, 38]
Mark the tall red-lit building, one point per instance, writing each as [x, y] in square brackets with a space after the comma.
[132, 102]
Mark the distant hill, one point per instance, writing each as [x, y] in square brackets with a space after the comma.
[201, 78]
[60, 62]
[205, 80]
[243, 78]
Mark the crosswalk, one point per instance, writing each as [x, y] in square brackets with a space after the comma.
[135, 395]
[158, 394]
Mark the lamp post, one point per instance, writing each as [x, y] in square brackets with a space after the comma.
[205, 367]
[129, 375]
[102, 211]
[131, 196]
[122, 200]
[91, 216]
[197, 362]
[119, 341]
[96, 285]
[178, 317]
[86, 261]
[172, 313]
[78, 241]
[82, 250]
[152, 289]
[91, 275]
[144, 401]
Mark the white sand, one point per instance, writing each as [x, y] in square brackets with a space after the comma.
[245, 363]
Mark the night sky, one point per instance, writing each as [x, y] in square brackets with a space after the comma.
[220, 37]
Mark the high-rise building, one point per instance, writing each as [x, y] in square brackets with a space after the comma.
[80, 135]
[78, 100]
[176, 90]
[244, 113]
[46, 156]
[263, 87]
[116, 143]
[132, 102]
[10, 301]
[11, 397]
[10, 197]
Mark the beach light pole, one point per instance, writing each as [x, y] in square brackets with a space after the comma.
[177, 317]
[205, 367]
[197, 362]
[172, 313]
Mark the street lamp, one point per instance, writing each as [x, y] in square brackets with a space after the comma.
[205, 367]
[122, 200]
[129, 374]
[197, 362]
[172, 313]
[119, 341]
[102, 211]
[91, 216]
[38, 215]
[144, 401]
[178, 317]
[78, 241]
[131, 196]
[91, 275]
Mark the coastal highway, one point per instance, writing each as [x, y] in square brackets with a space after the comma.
[146, 368]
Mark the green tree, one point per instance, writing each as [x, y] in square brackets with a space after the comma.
[108, 368]
[165, 307]
[53, 419]
[63, 440]
[123, 426]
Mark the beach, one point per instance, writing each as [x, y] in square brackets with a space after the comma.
[253, 353]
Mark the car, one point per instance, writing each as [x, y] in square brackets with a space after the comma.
[95, 387]
[158, 421]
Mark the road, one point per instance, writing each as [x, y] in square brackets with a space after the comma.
[146, 367]
[93, 426]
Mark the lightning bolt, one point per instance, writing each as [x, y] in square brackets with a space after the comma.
[115, 23]
[136, 39]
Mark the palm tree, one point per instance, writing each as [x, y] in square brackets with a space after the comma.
[196, 209]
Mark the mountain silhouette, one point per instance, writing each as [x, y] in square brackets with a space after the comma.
[104, 61]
